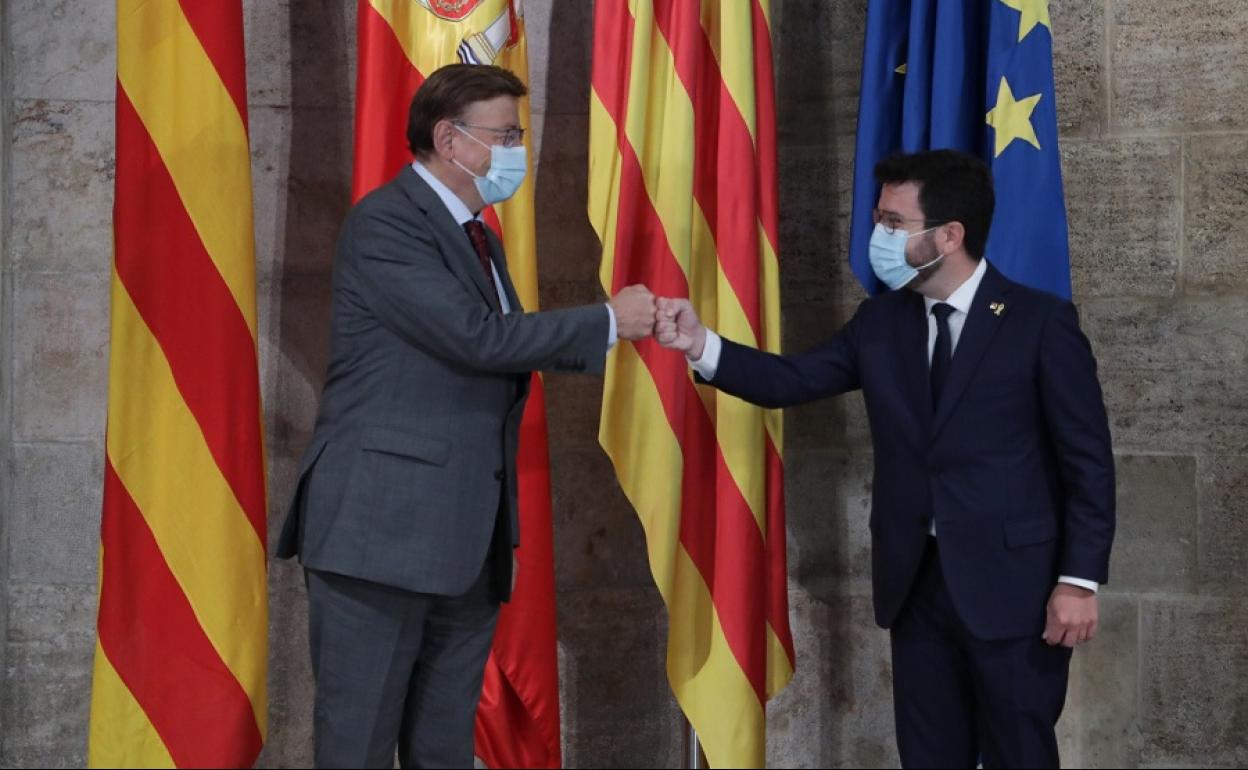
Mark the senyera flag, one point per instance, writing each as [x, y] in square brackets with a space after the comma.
[181, 653]
[683, 196]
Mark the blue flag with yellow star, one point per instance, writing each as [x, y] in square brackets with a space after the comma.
[973, 75]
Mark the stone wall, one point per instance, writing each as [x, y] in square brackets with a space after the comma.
[1155, 153]
[5, 397]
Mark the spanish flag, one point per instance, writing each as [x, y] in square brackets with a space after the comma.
[683, 195]
[181, 651]
[400, 43]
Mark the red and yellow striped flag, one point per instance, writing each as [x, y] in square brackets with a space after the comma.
[683, 192]
[400, 43]
[181, 652]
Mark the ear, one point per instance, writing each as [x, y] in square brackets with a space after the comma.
[443, 133]
[953, 236]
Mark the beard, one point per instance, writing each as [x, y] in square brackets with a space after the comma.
[926, 252]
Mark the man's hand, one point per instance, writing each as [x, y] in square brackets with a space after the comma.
[634, 312]
[678, 328]
[1072, 616]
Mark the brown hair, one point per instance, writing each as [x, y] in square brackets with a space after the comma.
[448, 92]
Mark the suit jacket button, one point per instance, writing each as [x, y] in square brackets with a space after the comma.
[499, 475]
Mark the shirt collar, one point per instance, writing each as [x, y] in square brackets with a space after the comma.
[963, 296]
[459, 210]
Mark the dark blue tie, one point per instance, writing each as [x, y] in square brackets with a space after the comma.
[942, 354]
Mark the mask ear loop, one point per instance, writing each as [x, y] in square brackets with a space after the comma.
[462, 167]
[934, 261]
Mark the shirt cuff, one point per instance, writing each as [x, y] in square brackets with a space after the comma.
[612, 334]
[708, 364]
[1091, 585]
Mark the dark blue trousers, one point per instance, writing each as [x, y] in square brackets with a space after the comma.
[959, 700]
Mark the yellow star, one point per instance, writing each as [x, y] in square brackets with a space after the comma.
[1012, 118]
[901, 70]
[1033, 12]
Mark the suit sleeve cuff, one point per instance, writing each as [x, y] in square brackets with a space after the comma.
[708, 364]
[1091, 585]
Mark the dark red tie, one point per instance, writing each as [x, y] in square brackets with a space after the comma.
[476, 234]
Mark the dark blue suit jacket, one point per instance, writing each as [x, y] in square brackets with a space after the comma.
[1014, 463]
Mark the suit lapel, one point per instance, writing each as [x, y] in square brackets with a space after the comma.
[978, 330]
[911, 333]
[500, 264]
[461, 256]
[513, 299]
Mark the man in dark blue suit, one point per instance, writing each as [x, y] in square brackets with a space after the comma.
[993, 496]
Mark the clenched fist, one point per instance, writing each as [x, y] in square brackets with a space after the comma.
[634, 312]
[678, 328]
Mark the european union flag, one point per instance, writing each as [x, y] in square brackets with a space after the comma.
[973, 75]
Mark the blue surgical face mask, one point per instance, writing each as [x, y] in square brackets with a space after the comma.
[505, 174]
[888, 256]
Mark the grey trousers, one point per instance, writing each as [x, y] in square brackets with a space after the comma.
[397, 670]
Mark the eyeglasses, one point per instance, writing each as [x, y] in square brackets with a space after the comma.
[893, 221]
[512, 137]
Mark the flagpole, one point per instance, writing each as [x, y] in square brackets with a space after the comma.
[695, 758]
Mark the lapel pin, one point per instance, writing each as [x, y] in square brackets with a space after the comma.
[997, 308]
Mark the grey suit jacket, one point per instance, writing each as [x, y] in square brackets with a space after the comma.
[418, 428]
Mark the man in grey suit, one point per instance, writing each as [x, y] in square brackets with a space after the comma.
[404, 516]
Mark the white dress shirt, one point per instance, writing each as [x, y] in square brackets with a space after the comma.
[459, 210]
[960, 299]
